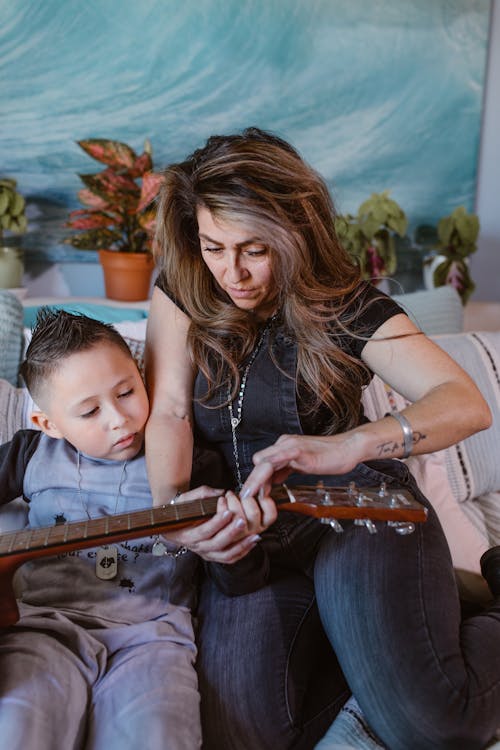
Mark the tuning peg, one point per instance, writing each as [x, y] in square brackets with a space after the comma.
[402, 527]
[383, 489]
[336, 526]
[360, 498]
[366, 522]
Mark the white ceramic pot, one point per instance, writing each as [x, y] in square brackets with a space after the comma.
[431, 262]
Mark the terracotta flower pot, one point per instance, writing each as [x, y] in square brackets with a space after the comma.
[127, 276]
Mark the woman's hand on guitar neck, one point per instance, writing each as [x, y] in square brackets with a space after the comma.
[302, 454]
[231, 533]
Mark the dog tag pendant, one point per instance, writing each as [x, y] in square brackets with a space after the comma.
[158, 548]
[106, 562]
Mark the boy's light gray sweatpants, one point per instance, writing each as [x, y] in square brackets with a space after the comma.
[64, 686]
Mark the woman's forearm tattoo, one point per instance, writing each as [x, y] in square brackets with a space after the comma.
[392, 446]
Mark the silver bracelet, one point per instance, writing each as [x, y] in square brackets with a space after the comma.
[407, 432]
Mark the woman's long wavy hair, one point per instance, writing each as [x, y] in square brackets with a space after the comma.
[260, 180]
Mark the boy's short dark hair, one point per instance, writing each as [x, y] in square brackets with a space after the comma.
[56, 335]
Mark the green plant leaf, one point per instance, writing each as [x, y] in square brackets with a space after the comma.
[17, 204]
[458, 233]
[445, 228]
[94, 239]
[4, 201]
[8, 182]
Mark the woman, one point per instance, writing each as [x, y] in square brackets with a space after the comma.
[261, 337]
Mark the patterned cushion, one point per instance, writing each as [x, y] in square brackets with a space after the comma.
[11, 325]
[473, 465]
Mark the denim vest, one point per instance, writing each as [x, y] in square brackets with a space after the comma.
[270, 410]
[269, 406]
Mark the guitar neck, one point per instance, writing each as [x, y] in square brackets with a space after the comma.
[396, 507]
[103, 530]
[317, 501]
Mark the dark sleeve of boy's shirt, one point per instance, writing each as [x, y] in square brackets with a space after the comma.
[14, 458]
[242, 577]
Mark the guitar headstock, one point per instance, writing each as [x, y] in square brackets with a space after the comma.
[364, 505]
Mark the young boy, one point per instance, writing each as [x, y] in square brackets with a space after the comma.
[103, 654]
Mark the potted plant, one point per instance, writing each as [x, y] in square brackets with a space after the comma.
[457, 236]
[118, 218]
[369, 236]
[12, 221]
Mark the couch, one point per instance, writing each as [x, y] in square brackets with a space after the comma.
[463, 482]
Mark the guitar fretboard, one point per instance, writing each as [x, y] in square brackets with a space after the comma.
[45, 537]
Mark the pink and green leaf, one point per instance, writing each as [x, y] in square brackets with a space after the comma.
[151, 183]
[117, 190]
[113, 153]
[90, 220]
[142, 164]
[92, 200]
[147, 220]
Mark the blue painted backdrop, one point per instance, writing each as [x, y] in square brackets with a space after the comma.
[375, 95]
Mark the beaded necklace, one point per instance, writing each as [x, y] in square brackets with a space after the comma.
[236, 419]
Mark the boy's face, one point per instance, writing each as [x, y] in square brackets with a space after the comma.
[96, 399]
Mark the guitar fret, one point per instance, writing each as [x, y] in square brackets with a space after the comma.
[28, 540]
[11, 543]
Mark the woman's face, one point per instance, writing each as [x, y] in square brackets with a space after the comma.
[239, 262]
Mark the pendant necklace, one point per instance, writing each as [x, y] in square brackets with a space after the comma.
[236, 419]
[106, 560]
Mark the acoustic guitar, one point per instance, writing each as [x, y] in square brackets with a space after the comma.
[396, 507]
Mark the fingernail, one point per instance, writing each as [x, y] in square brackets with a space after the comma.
[245, 494]
[254, 539]
[227, 513]
[240, 523]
